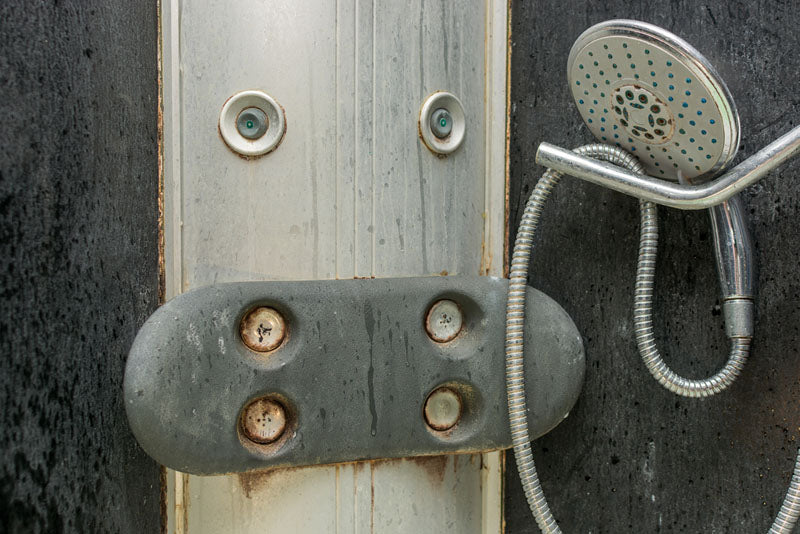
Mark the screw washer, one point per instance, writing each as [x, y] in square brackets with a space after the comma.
[263, 329]
[443, 409]
[444, 321]
[263, 421]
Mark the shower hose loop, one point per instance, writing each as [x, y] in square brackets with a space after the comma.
[514, 344]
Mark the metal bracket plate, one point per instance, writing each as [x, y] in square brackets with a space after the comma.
[354, 372]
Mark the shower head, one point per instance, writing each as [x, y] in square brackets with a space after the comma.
[650, 92]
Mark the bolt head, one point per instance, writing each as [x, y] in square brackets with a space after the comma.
[263, 421]
[443, 409]
[252, 123]
[444, 321]
[263, 329]
[441, 123]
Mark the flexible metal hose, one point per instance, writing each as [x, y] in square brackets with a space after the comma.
[790, 509]
[515, 321]
[643, 323]
[514, 344]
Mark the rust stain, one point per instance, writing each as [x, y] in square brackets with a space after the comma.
[162, 270]
[162, 498]
[508, 143]
[486, 256]
[434, 466]
[444, 273]
[371, 499]
[255, 481]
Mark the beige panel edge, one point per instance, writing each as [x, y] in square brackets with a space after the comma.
[494, 247]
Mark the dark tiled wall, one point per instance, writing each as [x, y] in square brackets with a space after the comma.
[632, 457]
[78, 261]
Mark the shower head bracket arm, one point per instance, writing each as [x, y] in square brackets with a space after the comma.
[685, 197]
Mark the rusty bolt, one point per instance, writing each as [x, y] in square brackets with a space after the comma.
[263, 329]
[443, 409]
[443, 321]
[263, 421]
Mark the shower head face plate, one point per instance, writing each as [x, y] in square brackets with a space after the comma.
[647, 91]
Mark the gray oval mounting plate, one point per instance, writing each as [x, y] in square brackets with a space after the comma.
[353, 373]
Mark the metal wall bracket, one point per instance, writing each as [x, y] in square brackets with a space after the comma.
[354, 376]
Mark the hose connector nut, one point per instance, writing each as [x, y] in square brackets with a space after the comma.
[738, 312]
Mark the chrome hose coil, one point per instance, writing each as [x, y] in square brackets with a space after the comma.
[514, 344]
[515, 320]
[790, 509]
[643, 323]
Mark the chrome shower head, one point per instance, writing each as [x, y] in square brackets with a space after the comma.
[648, 91]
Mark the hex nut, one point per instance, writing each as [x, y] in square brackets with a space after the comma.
[444, 321]
[443, 409]
[263, 329]
[263, 421]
